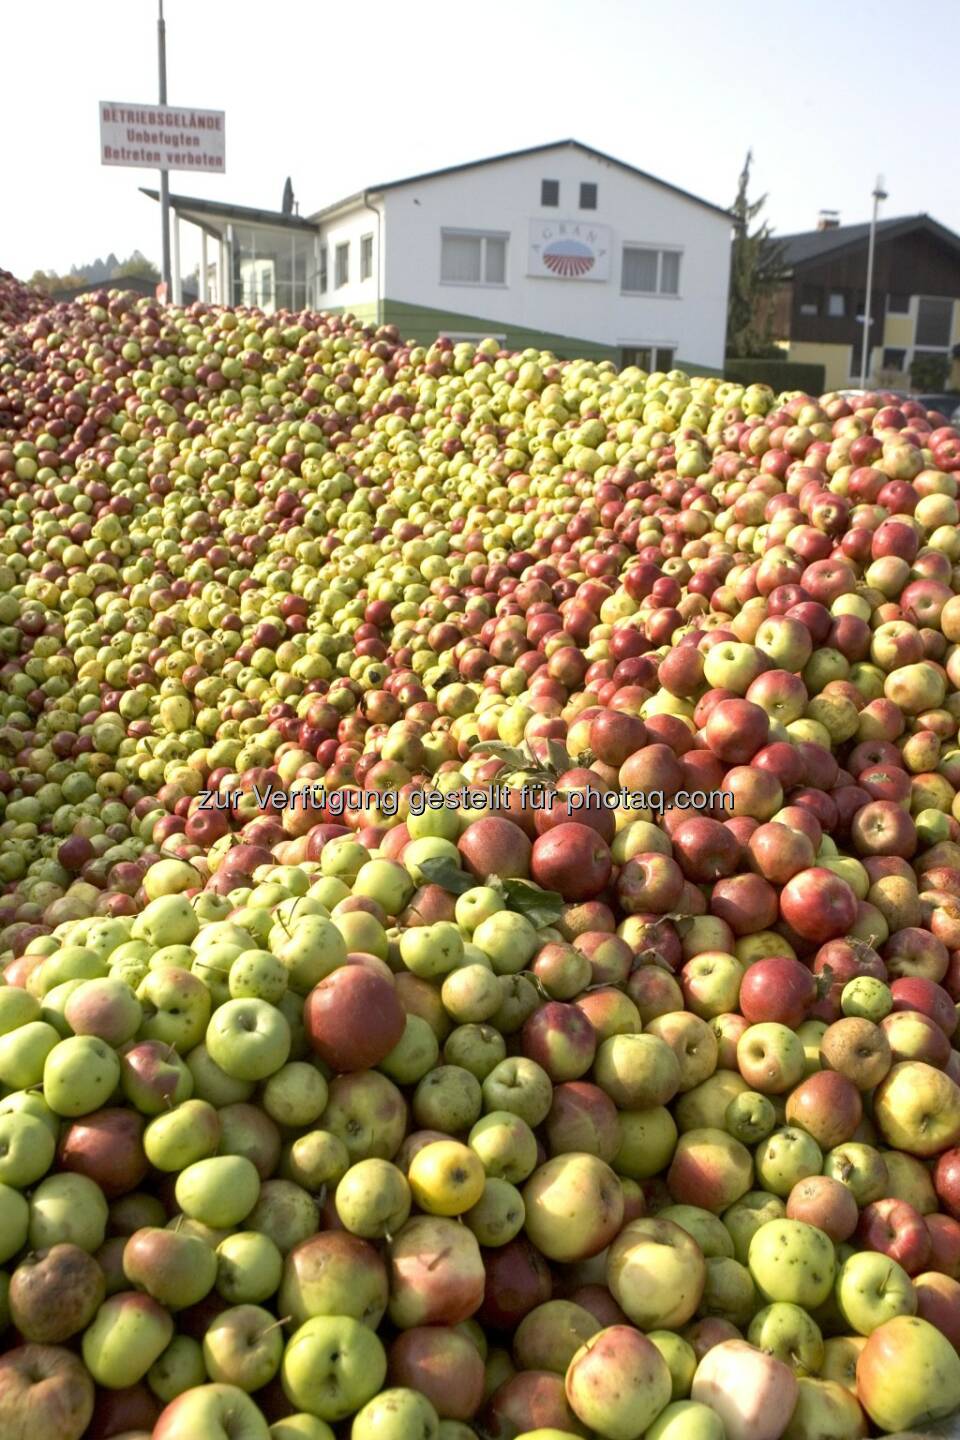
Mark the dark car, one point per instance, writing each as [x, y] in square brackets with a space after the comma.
[946, 404]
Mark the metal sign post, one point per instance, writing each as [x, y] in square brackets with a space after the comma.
[164, 173]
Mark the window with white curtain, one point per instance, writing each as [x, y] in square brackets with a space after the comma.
[473, 258]
[647, 271]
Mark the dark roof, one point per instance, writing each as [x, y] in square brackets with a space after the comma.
[218, 208]
[811, 245]
[517, 155]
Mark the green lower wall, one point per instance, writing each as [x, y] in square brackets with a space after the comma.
[422, 324]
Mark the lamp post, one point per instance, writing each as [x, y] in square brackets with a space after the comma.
[878, 194]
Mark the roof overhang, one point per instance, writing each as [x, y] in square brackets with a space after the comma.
[214, 216]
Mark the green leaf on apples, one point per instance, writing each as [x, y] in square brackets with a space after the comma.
[518, 759]
[558, 757]
[540, 907]
[448, 875]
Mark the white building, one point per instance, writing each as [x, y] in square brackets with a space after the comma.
[557, 246]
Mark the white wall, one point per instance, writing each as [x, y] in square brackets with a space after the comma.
[348, 227]
[506, 196]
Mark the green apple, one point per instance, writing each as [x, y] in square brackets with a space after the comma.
[23, 1054]
[866, 998]
[746, 1216]
[343, 858]
[243, 1346]
[681, 1360]
[313, 949]
[477, 905]
[187, 1133]
[285, 1212]
[373, 1199]
[172, 957]
[396, 1414]
[214, 1085]
[249, 1268]
[789, 1333]
[385, 881]
[14, 1222]
[794, 1262]
[332, 1366]
[215, 1412]
[301, 1427]
[415, 1053]
[67, 1209]
[917, 1109]
[80, 1075]
[521, 1086]
[686, 1420]
[295, 1095]
[477, 1048]
[314, 1160]
[499, 1214]
[176, 1008]
[750, 1117]
[17, 1007]
[508, 940]
[787, 1156]
[872, 1289]
[505, 1145]
[169, 877]
[73, 962]
[167, 920]
[248, 1039]
[220, 1191]
[707, 1229]
[179, 1368]
[27, 1149]
[31, 1102]
[260, 975]
[431, 951]
[128, 1334]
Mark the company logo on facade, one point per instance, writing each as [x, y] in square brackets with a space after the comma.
[569, 250]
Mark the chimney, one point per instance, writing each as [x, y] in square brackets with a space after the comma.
[828, 219]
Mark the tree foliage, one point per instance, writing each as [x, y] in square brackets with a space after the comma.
[756, 270]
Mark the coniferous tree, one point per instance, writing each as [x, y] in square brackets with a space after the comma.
[756, 270]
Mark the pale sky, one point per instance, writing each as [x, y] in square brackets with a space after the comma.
[341, 96]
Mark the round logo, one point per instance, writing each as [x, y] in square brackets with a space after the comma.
[568, 258]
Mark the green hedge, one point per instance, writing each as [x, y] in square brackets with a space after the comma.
[779, 374]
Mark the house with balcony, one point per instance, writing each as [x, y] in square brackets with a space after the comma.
[915, 299]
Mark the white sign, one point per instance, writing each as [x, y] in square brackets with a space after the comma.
[569, 250]
[162, 137]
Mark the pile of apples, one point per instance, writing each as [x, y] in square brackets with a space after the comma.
[479, 892]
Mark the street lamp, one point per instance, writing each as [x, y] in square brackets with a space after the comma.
[878, 194]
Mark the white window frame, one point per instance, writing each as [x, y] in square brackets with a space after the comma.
[653, 346]
[658, 250]
[838, 313]
[366, 256]
[483, 236]
[323, 277]
[342, 247]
